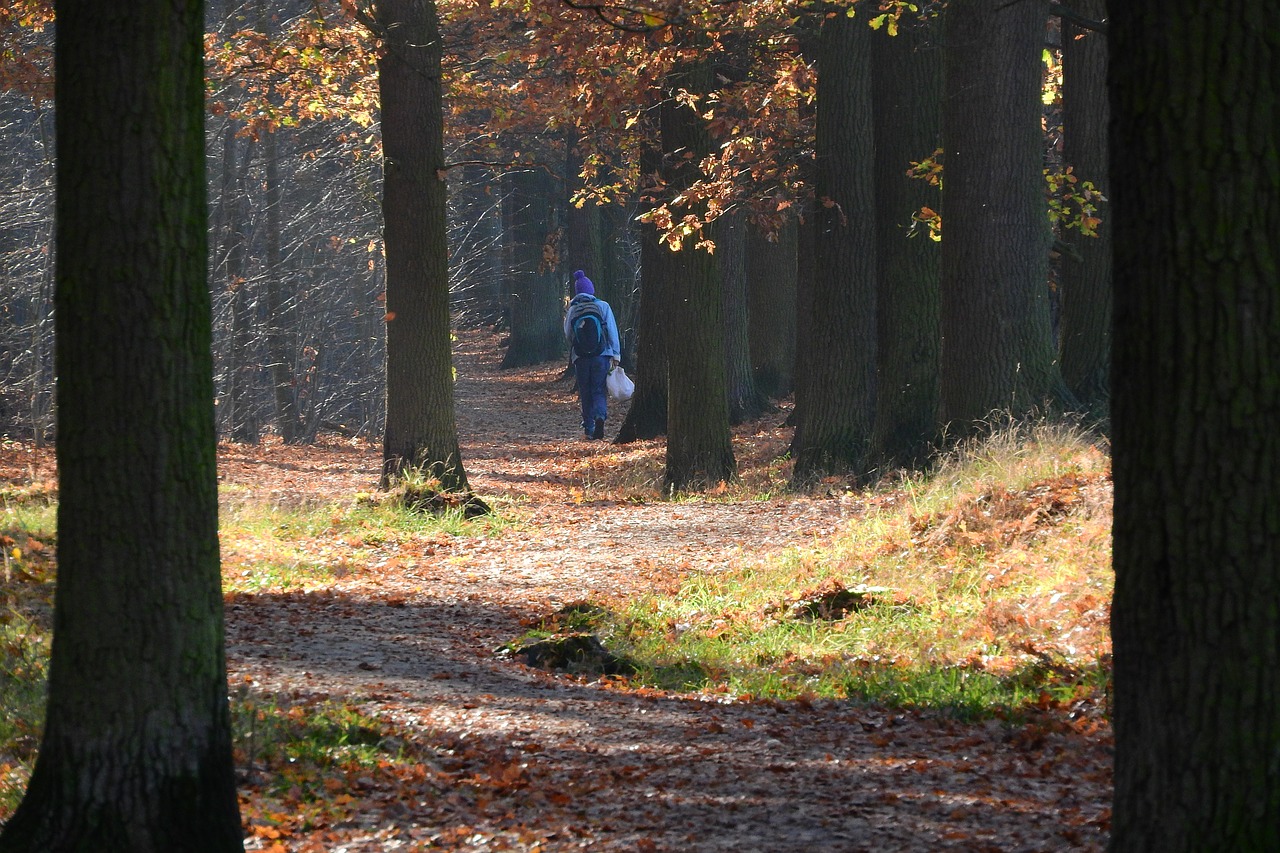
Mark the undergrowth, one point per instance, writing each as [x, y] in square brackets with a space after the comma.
[27, 523]
[981, 588]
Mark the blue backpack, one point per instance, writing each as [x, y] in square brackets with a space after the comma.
[586, 324]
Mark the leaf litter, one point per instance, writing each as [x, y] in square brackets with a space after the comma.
[461, 749]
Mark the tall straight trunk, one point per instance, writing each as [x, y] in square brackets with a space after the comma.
[839, 379]
[745, 402]
[420, 431]
[219, 250]
[771, 308]
[647, 415]
[584, 247]
[136, 749]
[1196, 426]
[619, 274]
[279, 307]
[997, 345]
[907, 103]
[806, 352]
[475, 256]
[699, 446]
[535, 304]
[1085, 279]
[242, 367]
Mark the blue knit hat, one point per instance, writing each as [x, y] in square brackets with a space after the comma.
[582, 284]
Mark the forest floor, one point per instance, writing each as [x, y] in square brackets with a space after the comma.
[518, 758]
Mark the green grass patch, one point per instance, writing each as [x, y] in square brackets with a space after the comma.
[271, 733]
[980, 588]
[275, 547]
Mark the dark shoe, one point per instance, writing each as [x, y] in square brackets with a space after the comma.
[599, 433]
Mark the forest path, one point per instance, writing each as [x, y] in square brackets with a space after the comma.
[564, 764]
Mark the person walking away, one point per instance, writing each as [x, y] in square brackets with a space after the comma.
[593, 351]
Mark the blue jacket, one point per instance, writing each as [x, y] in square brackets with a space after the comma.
[612, 345]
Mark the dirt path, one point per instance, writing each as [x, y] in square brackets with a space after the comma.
[591, 766]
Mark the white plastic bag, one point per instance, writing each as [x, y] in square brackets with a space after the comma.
[619, 385]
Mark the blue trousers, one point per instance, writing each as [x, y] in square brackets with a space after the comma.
[592, 373]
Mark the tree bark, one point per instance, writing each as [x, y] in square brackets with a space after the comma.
[771, 308]
[745, 401]
[647, 416]
[907, 104]
[279, 308]
[136, 751]
[1196, 426]
[420, 430]
[535, 305]
[997, 347]
[1085, 279]
[699, 445]
[834, 431]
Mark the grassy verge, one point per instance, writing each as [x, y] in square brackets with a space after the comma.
[271, 547]
[27, 523]
[980, 589]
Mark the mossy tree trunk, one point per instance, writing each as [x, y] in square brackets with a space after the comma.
[907, 102]
[838, 377]
[1195, 90]
[421, 431]
[998, 353]
[136, 749]
[699, 446]
[1085, 279]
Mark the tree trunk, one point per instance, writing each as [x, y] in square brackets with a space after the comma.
[420, 429]
[535, 305]
[745, 402]
[584, 247]
[771, 308]
[1196, 427]
[997, 346]
[839, 378]
[136, 751]
[699, 445]
[907, 102]
[279, 309]
[1085, 280]
[230, 226]
[476, 261]
[242, 369]
[647, 416]
[806, 270]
